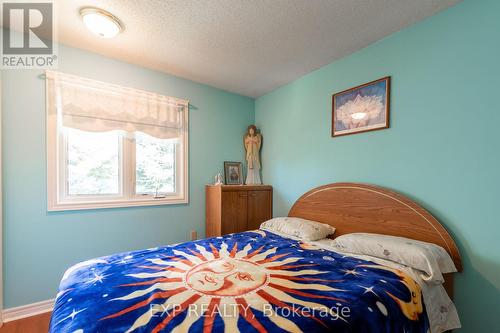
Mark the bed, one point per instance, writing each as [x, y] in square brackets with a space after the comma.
[260, 281]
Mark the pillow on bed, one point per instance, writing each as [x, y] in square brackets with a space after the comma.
[297, 227]
[429, 258]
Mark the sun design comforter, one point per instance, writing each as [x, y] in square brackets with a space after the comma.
[248, 282]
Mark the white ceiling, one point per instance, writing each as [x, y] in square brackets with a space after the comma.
[248, 47]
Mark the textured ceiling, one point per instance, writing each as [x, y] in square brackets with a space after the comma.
[245, 46]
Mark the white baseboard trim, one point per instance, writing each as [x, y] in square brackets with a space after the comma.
[28, 310]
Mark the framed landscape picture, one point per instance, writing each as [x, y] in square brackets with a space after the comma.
[233, 173]
[361, 109]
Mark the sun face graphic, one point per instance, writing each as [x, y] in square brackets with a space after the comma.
[246, 280]
[226, 277]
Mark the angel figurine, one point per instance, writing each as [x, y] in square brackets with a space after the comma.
[252, 142]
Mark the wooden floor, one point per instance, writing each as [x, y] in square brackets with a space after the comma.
[35, 324]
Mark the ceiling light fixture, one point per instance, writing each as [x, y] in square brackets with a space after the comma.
[101, 22]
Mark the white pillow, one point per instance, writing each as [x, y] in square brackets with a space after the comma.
[297, 227]
[426, 257]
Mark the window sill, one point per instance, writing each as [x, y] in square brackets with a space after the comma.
[67, 206]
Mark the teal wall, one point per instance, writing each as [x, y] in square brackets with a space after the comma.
[39, 246]
[443, 147]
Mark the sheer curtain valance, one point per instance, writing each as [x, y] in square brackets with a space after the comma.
[96, 106]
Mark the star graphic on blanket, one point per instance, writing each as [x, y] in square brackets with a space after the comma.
[98, 278]
[72, 315]
[369, 290]
[351, 272]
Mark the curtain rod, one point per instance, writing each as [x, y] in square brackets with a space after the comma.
[178, 101]
[120, 121]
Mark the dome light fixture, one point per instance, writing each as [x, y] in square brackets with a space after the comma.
[101, 22]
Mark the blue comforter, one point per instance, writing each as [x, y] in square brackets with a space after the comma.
[249, 282]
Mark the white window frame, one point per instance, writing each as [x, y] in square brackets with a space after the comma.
[56, 182]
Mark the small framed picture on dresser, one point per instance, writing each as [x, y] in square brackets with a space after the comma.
[233, 173]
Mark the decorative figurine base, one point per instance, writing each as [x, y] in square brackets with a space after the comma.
[253, 177]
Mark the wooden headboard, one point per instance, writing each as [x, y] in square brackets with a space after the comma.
[352, 207]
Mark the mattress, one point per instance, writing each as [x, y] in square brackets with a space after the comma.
[254, 281]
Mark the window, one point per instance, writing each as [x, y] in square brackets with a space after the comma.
[155, 165]
[110, 146]
[92, 162]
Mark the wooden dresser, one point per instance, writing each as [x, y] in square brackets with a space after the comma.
[237, 208]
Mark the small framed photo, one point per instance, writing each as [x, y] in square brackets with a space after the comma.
[361, 109]
[233, 173]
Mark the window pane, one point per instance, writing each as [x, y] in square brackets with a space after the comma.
[93, 162]
[155, 164]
